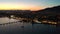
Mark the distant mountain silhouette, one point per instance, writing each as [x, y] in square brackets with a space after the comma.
[50, 11]
[31, 14]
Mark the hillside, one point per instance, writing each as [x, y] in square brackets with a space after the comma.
[53, 11]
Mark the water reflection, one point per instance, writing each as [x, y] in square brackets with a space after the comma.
[4, 20]
[26, 28]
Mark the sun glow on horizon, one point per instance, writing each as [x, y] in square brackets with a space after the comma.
[27, 4]
[19, 7]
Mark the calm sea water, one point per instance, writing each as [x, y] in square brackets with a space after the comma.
[26, 28]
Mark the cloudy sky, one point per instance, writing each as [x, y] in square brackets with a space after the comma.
[27, 4]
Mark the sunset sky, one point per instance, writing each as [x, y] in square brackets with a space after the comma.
[27, 4]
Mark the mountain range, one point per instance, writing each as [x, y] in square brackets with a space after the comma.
[50, 11]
